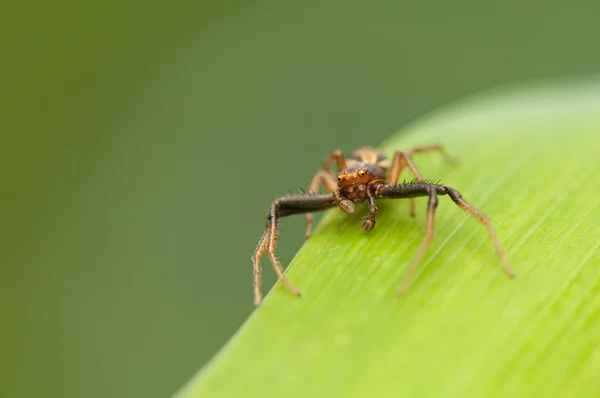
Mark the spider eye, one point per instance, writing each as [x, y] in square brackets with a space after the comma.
[340, 178]
[361, 173]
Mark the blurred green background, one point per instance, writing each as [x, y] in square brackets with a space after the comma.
[142, 143]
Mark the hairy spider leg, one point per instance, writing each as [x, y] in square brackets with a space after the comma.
[325, 177]
[413, 190]
[429, 230]
[282, 207]
[405, 159]
[473, 211]
[322, 177]
[432, 148]
[336, 156]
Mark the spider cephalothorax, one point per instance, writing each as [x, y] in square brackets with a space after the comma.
[355, 181]
[366, 175]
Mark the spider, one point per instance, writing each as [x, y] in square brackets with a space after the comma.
[364, 175]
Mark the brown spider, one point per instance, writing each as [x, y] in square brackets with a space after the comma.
[365, 175]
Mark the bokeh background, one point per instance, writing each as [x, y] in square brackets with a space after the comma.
[142, 143]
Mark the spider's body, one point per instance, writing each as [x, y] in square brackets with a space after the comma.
[364, 175]
[368, 155]
[363, 168]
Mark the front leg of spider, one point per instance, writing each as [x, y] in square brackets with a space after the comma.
[432, 204]
[283, 207]
[414, 190]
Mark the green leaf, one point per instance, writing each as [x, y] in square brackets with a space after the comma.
[529, 157]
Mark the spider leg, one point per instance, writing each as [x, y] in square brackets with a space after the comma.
[258, 253]
[282, 207]
[405, 159]
[473, 211]
[429, 229]
[271, 243]
[325, 177]
[414, 190]
[432, 148]
[336, 156]
[322, 177]
[400, 161]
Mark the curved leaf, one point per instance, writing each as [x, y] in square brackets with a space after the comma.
[529, 159]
